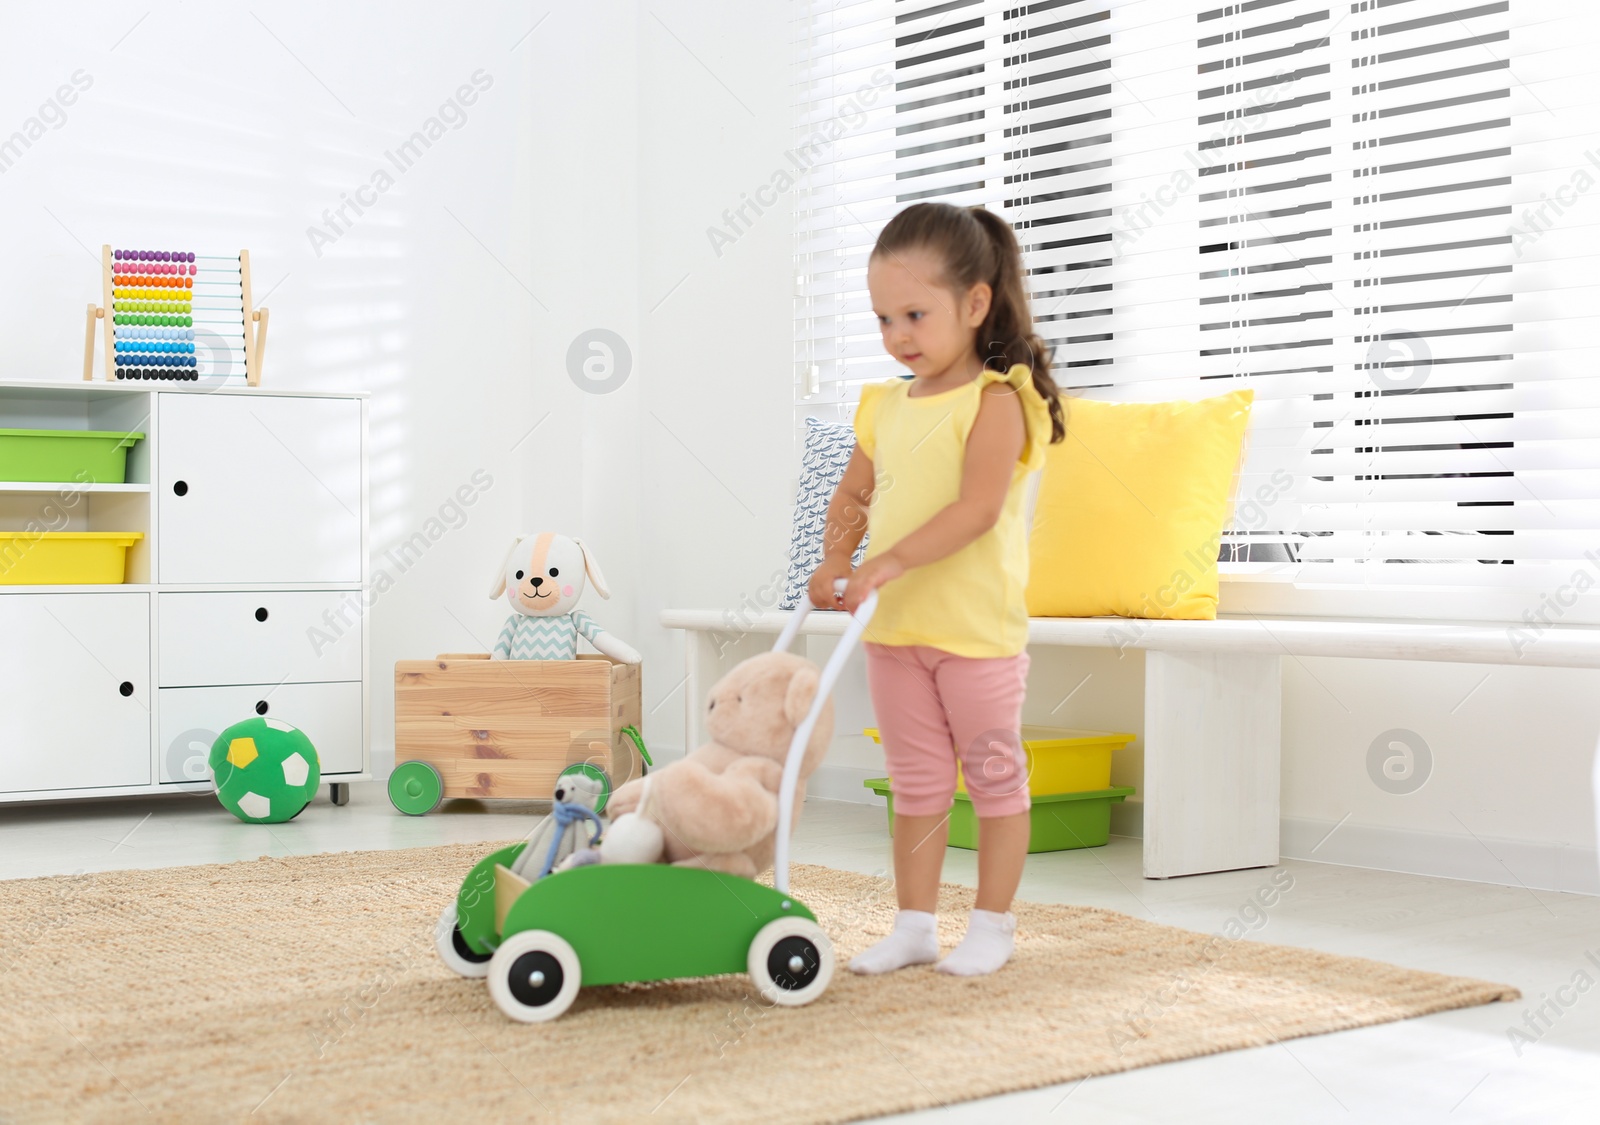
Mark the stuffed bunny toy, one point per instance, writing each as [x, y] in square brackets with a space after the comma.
[543, 578]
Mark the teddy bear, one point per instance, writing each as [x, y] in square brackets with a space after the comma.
[543, 578]
[577, 795]
[717, 807]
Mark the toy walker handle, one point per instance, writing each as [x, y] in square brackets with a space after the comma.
[802, 735]
[791, 628]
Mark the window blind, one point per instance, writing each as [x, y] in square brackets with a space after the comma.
[1378, 215]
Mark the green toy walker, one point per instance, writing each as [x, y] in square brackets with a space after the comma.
[538, 943]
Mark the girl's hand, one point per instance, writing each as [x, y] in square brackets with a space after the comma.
[872, 574]
[820, 588]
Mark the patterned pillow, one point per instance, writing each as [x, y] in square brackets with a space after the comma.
[828, 449]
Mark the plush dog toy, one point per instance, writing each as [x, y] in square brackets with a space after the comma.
[718, 806]
[561, 833]
[542, 578]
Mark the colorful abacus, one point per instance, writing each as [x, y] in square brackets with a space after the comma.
[178, 315]
[152, 300]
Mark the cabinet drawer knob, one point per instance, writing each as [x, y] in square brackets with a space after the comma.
[180, 487]
[261, 613]
[126, 687]
[261, 705]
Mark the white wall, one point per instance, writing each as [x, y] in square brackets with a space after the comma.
[576, 196]
[715, 331]
[452, 299]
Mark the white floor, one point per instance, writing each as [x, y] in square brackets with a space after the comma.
[1453, 1067]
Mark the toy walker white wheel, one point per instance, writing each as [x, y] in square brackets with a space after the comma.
[534, 976]
[453, 949]
[791, 961]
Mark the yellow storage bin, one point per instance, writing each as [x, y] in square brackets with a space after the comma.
[1061, 760]
[49, 558]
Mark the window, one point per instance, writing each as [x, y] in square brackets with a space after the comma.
[1379, 215]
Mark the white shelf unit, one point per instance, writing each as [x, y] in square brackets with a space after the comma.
[243, 597]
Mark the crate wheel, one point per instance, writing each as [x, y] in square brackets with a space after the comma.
[415, 788]
[791, 961]
[534, 976]
[453, 949]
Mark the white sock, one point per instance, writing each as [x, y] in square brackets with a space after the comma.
[986, 947]
[913, 941]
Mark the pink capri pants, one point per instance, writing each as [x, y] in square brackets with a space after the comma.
[933, 705]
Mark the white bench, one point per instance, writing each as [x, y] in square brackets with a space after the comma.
[1212, 703]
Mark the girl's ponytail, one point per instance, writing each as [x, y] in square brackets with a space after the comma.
[978, 245]
[1007, 332]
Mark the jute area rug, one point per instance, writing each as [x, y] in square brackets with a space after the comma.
[306, 989]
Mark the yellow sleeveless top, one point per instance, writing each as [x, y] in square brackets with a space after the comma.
[970, 603]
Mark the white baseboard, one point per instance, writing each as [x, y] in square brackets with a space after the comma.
[1512, 863]
[843, 783]
[1535, 865]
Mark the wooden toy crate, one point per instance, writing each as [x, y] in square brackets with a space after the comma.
[507, 728]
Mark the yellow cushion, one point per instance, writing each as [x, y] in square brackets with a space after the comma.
[1132, 506]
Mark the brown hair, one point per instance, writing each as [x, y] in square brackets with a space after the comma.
[978, 245]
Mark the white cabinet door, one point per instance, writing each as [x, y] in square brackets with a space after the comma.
[191, 718]
[257, 488]
[261, 637]
[74, 691]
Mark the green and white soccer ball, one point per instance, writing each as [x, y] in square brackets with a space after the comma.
[265, 770]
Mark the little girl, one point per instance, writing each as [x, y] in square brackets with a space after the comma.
[942, 460]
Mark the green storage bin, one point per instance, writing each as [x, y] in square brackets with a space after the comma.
[1058, 822]
[56, 456]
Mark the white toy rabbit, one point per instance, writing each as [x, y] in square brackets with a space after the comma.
[543, 578]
